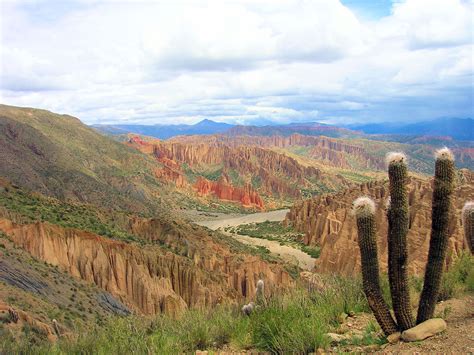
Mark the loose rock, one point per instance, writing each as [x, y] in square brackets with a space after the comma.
[424, 330]
[394, 338]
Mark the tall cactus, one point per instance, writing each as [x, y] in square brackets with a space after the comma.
[398, 221]
[364, 209]
[443, 188]
[468, 224]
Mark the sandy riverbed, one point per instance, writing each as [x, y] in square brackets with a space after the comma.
[286, 252]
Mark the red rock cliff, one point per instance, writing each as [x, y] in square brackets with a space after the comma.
[332, 151]
[224, 190]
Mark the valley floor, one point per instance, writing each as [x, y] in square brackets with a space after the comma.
[286, 252]
[223, 221]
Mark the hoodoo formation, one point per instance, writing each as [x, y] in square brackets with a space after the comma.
[148, 280]
[233, 186]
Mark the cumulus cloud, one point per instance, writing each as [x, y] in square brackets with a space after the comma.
[239, 61]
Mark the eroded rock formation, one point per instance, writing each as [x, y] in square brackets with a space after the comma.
[148, 279]
[224, 190]
[331, 151]
[327, 221]
[275, 174]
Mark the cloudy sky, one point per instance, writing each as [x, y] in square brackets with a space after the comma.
[248, 61]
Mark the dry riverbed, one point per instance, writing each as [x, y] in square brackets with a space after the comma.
[287, 253]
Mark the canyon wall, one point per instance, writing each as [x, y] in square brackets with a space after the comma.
[149, 279]
[327, 221]
[278, 174]
[224, 190]
[331, 151]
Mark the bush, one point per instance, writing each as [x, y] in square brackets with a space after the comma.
[289, 324]
[458, 278]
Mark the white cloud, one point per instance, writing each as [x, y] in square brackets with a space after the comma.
[288, 60]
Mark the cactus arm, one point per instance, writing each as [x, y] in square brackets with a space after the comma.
[443, 188]
[370, 265]
[398, 220]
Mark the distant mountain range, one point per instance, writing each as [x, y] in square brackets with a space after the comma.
[457, 128]
[306, 128]
[166, 131]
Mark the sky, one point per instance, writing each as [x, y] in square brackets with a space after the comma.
[246, 62]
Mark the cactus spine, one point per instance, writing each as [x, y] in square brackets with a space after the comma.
[468, 224]
[398, 220]
[364, 209]
[443, 188]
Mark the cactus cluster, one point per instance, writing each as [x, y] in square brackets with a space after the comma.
[398, 225]
[260, 299]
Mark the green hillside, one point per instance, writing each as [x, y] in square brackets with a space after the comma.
[62, 157]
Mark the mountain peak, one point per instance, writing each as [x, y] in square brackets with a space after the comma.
[208, 122]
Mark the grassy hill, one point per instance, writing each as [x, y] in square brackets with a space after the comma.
[59, 156]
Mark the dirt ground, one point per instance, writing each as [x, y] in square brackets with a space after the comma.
[457, 339]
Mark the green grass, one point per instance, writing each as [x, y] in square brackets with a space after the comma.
[34, 207]
[276, 231]
[355, 177]
[292, 322]
[459, 278]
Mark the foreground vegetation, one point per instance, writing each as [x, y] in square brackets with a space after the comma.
[295, 321]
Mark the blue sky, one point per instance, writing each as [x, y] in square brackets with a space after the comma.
[237, 61]
[369, 9]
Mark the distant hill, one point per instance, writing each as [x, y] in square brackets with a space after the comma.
[307, 128]
[166, 131]
[457, 128]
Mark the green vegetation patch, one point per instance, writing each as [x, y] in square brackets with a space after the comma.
[295, 322]
[34, 207]
[276, 231]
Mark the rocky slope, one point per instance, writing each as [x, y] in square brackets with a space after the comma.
[171, 266]
[327, 221]
[330, 151]
[363, 153]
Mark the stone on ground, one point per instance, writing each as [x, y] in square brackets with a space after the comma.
[424, 330]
